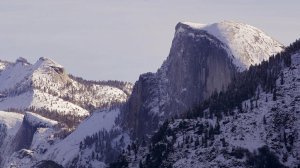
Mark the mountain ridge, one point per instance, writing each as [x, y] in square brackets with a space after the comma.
[50, 103]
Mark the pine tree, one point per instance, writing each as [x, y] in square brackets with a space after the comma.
[80, 145]
[217, 128]
[197, 142]
[274, 95]
[264, 120]
[281, 79]
[251, 104]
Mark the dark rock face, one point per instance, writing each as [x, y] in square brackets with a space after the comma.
[22, 60]
[198, 65]
[24, 136]
[137, 112]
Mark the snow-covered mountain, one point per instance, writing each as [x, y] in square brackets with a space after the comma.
[255, 123]
[45, 87]
[63, 100]
[203, 59]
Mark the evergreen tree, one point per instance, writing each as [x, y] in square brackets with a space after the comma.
[281, 79]
[217, 128]
[197, 142]
[264, 120]
[274, 95]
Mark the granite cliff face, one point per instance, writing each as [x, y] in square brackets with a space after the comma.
[17, 134]
[199, 63]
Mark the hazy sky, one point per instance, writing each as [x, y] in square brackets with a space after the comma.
[107, 39]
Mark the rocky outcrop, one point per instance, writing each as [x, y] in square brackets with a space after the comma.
[24, 136]
[30, 124]
[198, 65]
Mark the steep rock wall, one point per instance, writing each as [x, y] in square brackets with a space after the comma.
[198, 65]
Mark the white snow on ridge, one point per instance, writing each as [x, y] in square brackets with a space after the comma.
[44, 62]
[44, 100]
[248, 44]
[14, 74]
[21, 72]
[37, 120]
[40, 100]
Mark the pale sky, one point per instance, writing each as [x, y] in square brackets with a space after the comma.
[120, 39]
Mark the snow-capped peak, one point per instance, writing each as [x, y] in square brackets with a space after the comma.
[44, 62]
[248, 45]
